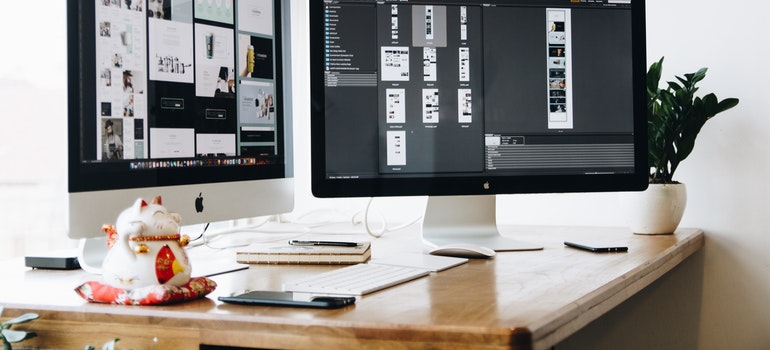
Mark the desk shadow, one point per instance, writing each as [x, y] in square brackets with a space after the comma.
[665, 315]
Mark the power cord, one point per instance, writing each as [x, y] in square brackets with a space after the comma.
[385, 229]
[359, 218]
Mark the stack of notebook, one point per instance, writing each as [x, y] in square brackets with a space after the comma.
[299, 254]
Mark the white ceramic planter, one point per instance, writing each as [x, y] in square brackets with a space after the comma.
[657, 210]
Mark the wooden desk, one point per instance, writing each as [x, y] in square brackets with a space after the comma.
[519, 300]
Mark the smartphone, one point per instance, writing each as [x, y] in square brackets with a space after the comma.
[271, 298]
[597, 249]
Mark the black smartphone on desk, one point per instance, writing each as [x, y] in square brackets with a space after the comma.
[271, 298]
[596, 248]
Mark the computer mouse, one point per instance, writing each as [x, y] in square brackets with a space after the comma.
[463, 250]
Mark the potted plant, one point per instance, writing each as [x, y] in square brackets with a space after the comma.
[675, 116]
[9, 335]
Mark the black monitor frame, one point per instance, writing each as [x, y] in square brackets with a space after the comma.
[86, 174]
[323, 186]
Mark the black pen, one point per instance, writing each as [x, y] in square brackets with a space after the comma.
[324, 243]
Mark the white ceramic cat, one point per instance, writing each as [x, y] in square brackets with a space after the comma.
[148, 249]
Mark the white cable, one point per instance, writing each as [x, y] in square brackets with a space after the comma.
[206, 239]
[385, 229]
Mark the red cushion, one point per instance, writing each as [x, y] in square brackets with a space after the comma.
[97, 292]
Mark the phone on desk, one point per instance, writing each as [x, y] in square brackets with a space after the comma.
[271, 298]
[597, 248]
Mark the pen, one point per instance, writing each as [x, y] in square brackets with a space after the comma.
[324, 243]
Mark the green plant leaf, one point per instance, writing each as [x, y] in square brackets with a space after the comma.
[110, 345]
[674, 86]
[13, 336]
[727, 104]
[653, 77]
[22, 319]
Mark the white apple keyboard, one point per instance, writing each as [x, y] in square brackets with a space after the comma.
[357, 279]
[378, 274]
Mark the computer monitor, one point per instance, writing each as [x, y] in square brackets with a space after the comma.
[461, 100]
[184, 99]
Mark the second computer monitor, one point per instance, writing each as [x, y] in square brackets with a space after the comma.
[477, 98]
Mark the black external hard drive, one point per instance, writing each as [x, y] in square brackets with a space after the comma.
[52, 262]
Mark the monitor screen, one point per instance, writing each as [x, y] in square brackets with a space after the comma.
[449, 97]
[184, 99]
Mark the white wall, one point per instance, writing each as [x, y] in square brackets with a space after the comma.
[725, 175]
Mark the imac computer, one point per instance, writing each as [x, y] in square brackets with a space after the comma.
[184, 99]
[461, 100]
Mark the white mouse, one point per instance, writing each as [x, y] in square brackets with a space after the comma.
[463, 250]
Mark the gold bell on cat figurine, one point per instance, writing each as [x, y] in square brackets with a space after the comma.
[184, 240]
[141, 249]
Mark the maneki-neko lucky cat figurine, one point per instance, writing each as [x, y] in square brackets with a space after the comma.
[146, 248]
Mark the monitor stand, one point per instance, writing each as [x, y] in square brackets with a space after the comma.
[92, 252]
[466, 219]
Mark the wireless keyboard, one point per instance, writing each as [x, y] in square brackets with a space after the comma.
[357, 279]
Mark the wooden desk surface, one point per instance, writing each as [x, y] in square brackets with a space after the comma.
[520, 300]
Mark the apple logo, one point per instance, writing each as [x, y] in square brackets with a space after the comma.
[199, 203]
[486, 185]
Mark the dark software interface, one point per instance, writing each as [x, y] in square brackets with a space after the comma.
[470, 88]
[177, 92]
